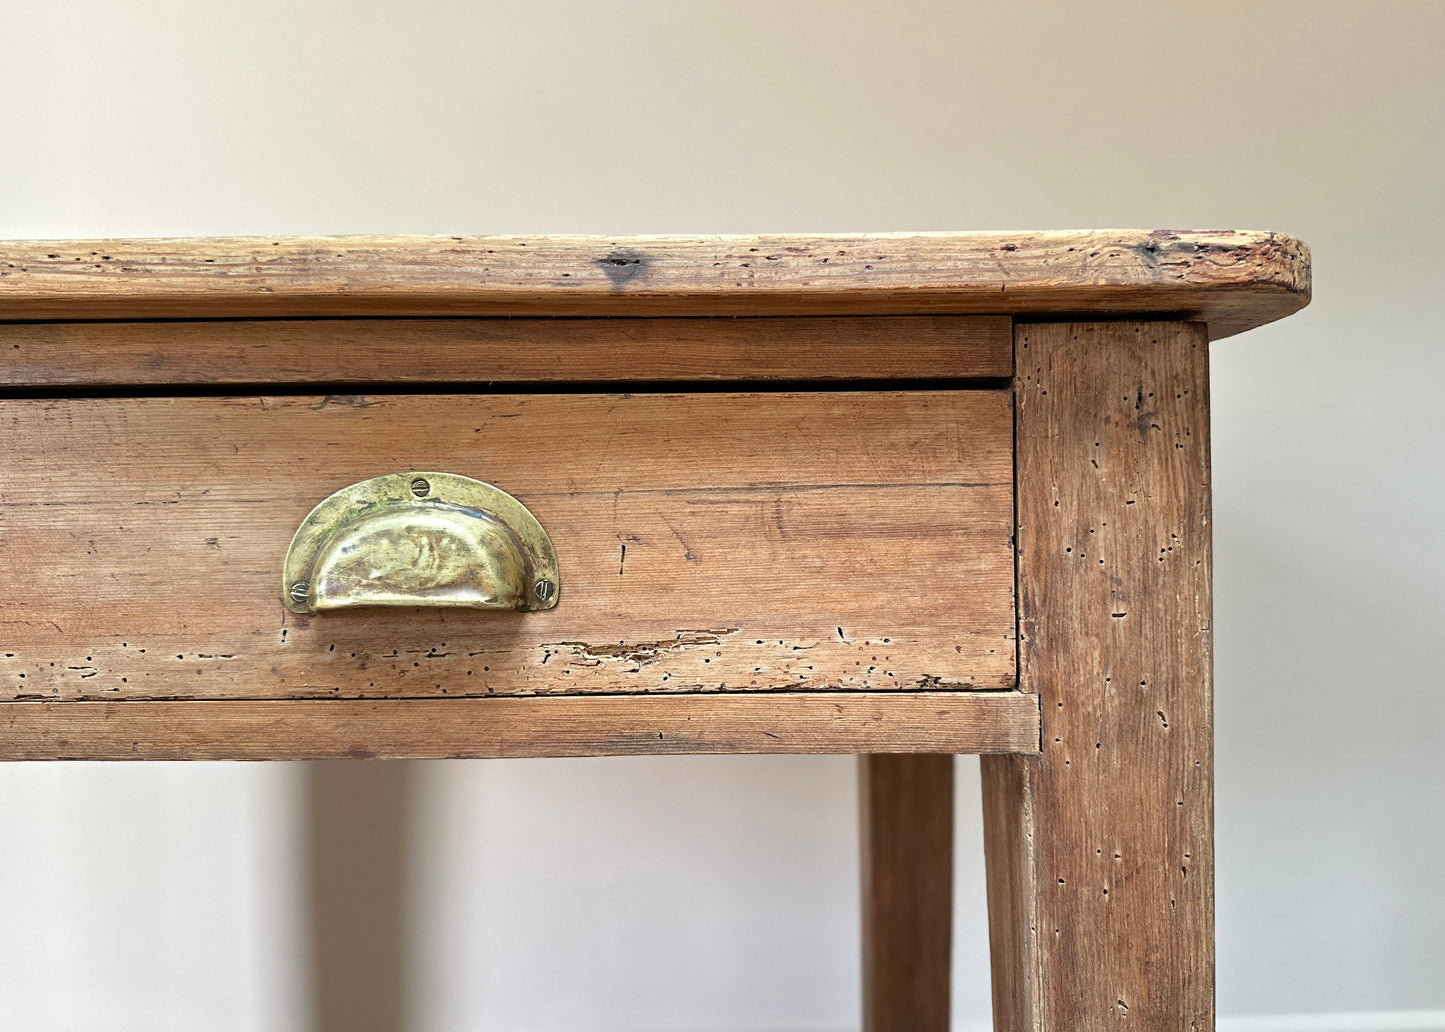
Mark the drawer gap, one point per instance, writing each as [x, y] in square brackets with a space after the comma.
[223, 389]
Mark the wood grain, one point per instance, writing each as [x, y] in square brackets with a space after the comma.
[814, 541]
[1231, 280]
[1013, 882]
[608, 725]
[906, 820]
[1100, 849]
[407, 351]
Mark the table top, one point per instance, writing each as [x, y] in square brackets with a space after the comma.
[1231, 280]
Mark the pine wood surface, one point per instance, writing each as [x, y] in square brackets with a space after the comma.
[1231, 280]
[906, 825]
[411, 351]
[519, 726]
[831, 541]
[1099, 850]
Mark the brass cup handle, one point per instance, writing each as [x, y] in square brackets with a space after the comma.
[420, 539]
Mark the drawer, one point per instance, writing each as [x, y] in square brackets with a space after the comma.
[817, 541]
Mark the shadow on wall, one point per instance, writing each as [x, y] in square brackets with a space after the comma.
[357, 820]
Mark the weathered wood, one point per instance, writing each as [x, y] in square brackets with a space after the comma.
[1012, 880]
[1100, 849]
[405, 351]
[605, 725]
[1231, 280]
[906, 820]
[852, 540]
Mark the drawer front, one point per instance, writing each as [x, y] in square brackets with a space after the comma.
[706, 542]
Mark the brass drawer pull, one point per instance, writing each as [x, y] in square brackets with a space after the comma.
[420, 539]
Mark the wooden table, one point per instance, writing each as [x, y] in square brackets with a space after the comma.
[898, 496]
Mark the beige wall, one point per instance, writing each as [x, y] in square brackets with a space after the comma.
[719, 893]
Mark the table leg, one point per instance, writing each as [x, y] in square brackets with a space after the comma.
[906, 818]
[1100, 849]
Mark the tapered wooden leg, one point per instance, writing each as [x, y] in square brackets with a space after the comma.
[1100, 849]
[357, 823]
[907, 829]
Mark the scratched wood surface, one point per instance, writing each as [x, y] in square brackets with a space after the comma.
[1100, 849]
[402, 351]
[1230, 280]
[840, 541]
[517, 726]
